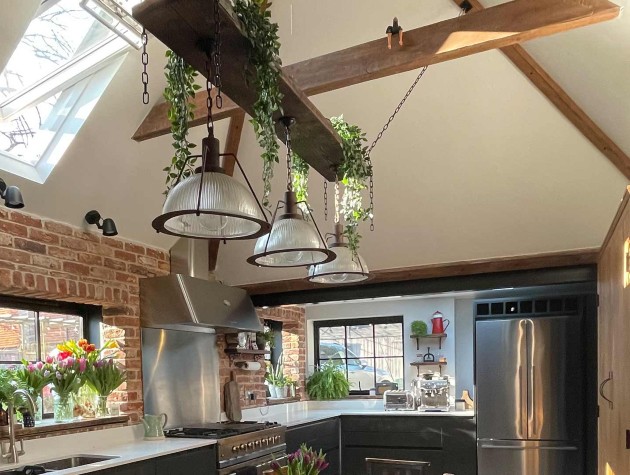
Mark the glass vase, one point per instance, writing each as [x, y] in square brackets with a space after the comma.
[101, 406]
[39, 409]
[63, 408]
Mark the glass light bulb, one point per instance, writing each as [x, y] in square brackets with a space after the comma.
[211, 222]
[339, 277]
[292, 257]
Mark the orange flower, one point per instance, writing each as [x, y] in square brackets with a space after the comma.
[83, 342]
[90, 348]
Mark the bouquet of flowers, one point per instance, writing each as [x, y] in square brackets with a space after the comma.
[105, 376]
[67, 373]
[33, 377]
[304, 461]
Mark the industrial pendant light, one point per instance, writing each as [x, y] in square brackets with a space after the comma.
[210, 204]
[348, 268]
[294, 240]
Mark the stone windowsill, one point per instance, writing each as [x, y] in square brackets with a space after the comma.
[48, 427]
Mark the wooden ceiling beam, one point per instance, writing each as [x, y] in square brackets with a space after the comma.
[464, 268]
[495, 27]
[563, 102]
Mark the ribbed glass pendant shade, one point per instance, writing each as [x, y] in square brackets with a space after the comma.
[345, 269]
[228, 210]
[292, 242]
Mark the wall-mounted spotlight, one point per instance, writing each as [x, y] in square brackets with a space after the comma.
[107, 226]
[11, 195]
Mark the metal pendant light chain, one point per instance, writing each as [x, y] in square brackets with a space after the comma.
[217, 54]
[209, 120]
[289, 161]
[145, 63]
[463, 11]
[325, 200]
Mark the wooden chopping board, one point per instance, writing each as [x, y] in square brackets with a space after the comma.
[232, 398]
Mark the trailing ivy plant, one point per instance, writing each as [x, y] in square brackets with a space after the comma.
[179, 92]
[264, 56]
[355, 170]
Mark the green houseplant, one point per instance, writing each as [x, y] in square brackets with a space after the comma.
[355, 170]
[264, 57]
[418, 328]
[276, 380]
[329, 381]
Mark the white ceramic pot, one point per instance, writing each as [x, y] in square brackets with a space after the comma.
[273, 391]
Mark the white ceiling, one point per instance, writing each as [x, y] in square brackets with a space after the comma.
[477, 165]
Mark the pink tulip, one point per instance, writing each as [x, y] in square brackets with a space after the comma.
[82, 364]
[30, 367]
[49, 359]
[39, 365]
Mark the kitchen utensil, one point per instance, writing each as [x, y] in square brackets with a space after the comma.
[428, 357]
[154, 426]
[232, 397]
[438, 322]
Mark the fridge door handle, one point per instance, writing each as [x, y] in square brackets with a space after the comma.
[520, 400]
[517, 447]
[532, 414]
[601, 389]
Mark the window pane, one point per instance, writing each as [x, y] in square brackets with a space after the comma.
[59, 34]
[361, 374]
[389, 339]
[360, 342]
[56, 328]
[332, 342]
[17, 335]
[390, 370]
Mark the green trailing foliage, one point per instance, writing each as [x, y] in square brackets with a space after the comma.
[328, 382]
[179, 92]
[299, 183]
[264, 57]
[355, 170]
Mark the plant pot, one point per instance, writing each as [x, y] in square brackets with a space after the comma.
[63, 408]
[282, 392]
[272, 391]
[261, 342]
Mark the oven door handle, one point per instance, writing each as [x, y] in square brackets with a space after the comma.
[268, 463]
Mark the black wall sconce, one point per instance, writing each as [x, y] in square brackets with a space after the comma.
[11, 195]
[107, 225]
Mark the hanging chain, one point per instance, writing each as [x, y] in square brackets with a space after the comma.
[462, 12]
[217, 54]
[289, 162]
[325, 200]
[336, 200]
[145, 63]
[209, 121]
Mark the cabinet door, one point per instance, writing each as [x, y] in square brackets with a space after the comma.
[146, 467]
[322, 436]
[199, 461]
[614, 342]
[354, 458]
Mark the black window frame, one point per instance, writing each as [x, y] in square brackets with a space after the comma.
[92, 316]
[317, 324]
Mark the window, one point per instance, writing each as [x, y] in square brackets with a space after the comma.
[31, 330]
[62, 65]
[369, 349]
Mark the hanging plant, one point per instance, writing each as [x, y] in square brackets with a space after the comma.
[264, 56]
[300, 177]
[179, 92]
[355, 170]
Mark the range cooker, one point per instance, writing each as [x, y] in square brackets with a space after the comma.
[242, 447]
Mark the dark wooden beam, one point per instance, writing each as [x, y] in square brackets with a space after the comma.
[372, 60]
[502, 25]
[231, 146]
[563, 102]
[453, 269]
[187, 27]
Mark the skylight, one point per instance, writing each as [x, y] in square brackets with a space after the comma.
[47, 87]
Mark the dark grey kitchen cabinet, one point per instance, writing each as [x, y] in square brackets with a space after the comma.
[321, 435]
[199, 461]
[448, 443]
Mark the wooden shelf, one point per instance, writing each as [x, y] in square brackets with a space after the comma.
[418, 364]
[182, 24]
[234, 353]
[429, 336]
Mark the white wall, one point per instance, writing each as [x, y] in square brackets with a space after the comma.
[410, 309]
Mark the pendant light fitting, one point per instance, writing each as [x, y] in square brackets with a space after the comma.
[293, 241]
[210, 204]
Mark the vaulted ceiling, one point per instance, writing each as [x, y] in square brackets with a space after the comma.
[478, 164]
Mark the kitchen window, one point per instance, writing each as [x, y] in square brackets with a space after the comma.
[369, 349]
[32, 329]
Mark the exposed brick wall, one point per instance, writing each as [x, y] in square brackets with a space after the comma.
[293, 347]
[46, 259]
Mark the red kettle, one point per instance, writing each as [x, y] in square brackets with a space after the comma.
[438, 321]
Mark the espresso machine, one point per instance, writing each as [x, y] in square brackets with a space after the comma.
[432, 393]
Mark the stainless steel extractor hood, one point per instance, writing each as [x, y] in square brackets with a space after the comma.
[187, 300]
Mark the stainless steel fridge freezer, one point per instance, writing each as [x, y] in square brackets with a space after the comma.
[530, 396]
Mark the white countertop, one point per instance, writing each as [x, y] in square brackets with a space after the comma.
[125, 443]
[298, 413]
